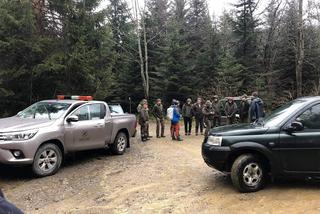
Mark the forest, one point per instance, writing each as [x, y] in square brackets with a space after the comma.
[165, 49]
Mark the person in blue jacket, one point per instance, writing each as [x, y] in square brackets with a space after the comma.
[256, 110]
[6, 207]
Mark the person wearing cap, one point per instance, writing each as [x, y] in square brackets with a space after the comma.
[187, 116]
[230, 109]
[198, 115]
[139, 107]
[157, 112]
[256, 110]
[144, 122]
[244, 109]
[6, 207]
[216, 107]
[208, 115]
[173, 113]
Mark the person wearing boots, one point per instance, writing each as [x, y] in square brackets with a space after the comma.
[140, 106]
[158, 114]
[198, 115]
[187, 116]
[208, 115]
[173, 113]
[230, 109]
[217, 114]
[144, 122]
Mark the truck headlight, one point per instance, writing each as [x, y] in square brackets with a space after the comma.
[18, 136]
[214, 140]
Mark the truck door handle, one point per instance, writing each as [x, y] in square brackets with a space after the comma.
[99, 125]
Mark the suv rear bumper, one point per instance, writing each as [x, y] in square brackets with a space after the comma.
[215, 156]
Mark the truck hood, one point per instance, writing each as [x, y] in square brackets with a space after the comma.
[239, 129]
[15, 123]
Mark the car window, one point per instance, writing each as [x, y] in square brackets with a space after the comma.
[310, 118]
[97, 111]
[82, 113]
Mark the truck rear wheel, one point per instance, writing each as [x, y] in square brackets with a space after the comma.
[248, 173]
[120, 144]
[47, 160]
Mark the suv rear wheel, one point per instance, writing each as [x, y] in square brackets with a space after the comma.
[120, 144]
[248, 173]
[47, 160]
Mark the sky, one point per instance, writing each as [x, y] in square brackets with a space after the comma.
[216, 7]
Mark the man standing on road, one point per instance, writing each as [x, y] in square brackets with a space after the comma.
[256, 107]
[187, 116]
[231, 109]
[158, 114]
[217, 114]
[6, 207]
[244, 109]
[208, 114]
[197, 111]
[144, 122]
[173, 113]
[140, 106]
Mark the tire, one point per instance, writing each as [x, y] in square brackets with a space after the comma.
[248, 173]
[47, 160]
[120, 144]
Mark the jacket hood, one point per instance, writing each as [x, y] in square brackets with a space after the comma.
[238, 129]
[15, 123]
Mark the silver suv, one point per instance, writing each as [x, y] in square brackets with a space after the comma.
[43, 133]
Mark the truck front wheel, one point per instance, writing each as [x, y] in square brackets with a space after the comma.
[248, 173]
[47, 160]
[120, 144]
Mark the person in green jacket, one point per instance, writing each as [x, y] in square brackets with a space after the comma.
[157, 112]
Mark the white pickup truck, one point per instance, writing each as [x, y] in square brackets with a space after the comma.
[43, 133]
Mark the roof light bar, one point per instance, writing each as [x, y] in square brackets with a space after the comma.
[74, 97]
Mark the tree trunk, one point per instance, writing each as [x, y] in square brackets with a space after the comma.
[300, 51]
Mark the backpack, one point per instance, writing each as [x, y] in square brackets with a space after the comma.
[176, 116]
[170, 113]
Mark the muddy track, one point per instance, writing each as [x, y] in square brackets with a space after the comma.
[158, 176]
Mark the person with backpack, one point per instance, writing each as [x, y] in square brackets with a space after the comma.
[256, 110]
[173, 113]
[157, 112]
[187, 116]
[6, 207]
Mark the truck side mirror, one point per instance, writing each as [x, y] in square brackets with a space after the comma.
[72, 118]
[294, 127]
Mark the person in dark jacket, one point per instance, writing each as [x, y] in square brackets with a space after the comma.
[244, 109]
[208, 114]
[230, 109]
[144, 122]
[198, 115]
[139, 107]
[256, 107]
[7, 207]
[187, 114]
[157, 112]
[217, 114]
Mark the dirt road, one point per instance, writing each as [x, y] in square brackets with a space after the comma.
[159, 176]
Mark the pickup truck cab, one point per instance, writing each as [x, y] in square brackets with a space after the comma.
[284, 144]
[43, 133]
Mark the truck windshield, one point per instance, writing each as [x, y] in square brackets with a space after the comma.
[44, 110]
[280, 114]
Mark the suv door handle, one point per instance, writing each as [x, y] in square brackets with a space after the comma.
[272, 144]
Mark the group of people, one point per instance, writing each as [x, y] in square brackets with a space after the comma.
[206, 114]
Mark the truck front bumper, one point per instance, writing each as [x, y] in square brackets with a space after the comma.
[215, 156]
[27, 150]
